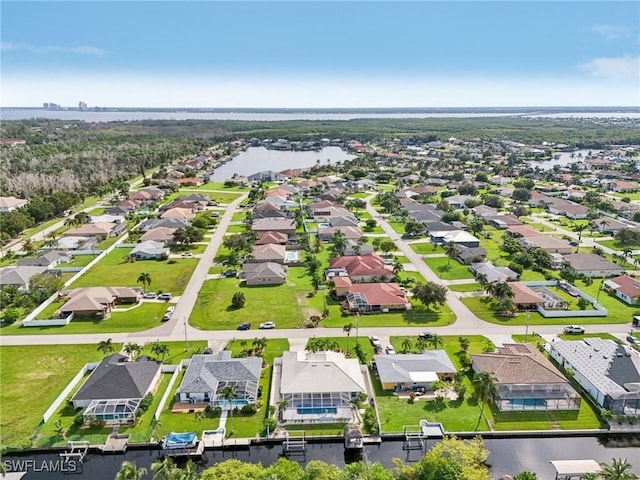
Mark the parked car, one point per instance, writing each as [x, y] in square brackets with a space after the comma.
[171, 309]
[150, 295]
[187, 254]
[573, 329]
[267, 325]
[164, 296]
[208, 351]
[244, 326]
[390, 350]
[633, 340]
[375, 341]
[425, 335]
[229, 273]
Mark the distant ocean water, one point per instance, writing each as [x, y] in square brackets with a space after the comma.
[133, 115]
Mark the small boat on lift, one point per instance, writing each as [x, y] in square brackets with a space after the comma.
[353, 438]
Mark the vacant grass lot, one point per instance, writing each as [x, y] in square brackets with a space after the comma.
[483, 308]
[425, 248]
[222, 187]
[31, 378]
[465, 287]
[448, 269]
[115, 271]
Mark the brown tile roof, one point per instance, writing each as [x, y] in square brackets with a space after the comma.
[522, 294]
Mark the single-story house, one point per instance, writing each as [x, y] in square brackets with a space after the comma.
[547, 242]
[410, 372]
[342, 285]
[267, 176]
[150, 250]
[107, 218]
[502, 222]
[493, 274]
[608, 225]
[75, 243]
[351, 233]
[571, 210]
[19, 277]
[457, 237]
[283, 225]
[592, 265]
[151, 223]
[115, 388]
[99, 230]
[178, 212]
[376, 297]
[318, 387]
[360, 268]
[524, 297]
[270, 252]
[526, 380]
[344, 221]
[160, 234]
[354, 248]
[9, 204]
[468, 255]
[609, 372]
[96, 301]
[522, 231]
[267, 237]
[624, 287]
[264, 273]
[48, 260]
[207, 375]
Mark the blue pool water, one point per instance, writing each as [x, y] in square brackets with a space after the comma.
[527, 403]
[316, 410]
[233, 403]
[324, 225]
[292, 255]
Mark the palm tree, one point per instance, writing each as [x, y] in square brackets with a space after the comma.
[450, 251]
[282, 406]
[228, 393]
[406, 344]
[483, 280]
[105, 346]
[435, 341]
[421, 344]
[164, 470]
[397, 266]
[188, 472]
[618, 470]
[60, 429]
[28, 246]
[259, 344]
[160, 349]
[579, 228]
[603, 224]
[132, 349]
[145, 279]
[129, 471]
[485, 391]
[347, 329]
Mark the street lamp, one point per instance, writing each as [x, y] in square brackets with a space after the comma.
[186, 341]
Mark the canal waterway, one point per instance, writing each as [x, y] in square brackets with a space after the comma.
[508, 456]
[256, 159]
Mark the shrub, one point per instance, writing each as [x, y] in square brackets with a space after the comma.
[172, 261]
[146, 402]
[269, 424]
[370, 421]
[78, 419]
[412, 397]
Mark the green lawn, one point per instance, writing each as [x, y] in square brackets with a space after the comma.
[221, 186]
[580, 336]
[44, 369]
[613, 244]
[115, 271]
[359, 195]
[448, 269]
[237, 228]
[465, 287]
[143, 317]
[425, 248]
[239, 217]
[279, 303]
[79, 261]
[585, 418]
[398, 227]
[482, 307]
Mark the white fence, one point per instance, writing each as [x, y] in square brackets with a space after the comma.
[176, 369]
[67, 390]
[48, 322]
[597, 310]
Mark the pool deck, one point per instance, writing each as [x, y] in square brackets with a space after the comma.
[188, 407]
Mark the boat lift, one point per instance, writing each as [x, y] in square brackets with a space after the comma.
[76, 450]
[294, 443]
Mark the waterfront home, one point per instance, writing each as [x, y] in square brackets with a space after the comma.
[208, 375]
[526, 380]
[113, 392]
[414, 372]
[318, 387]
[266, 176]
[609, 372]
[263, 273]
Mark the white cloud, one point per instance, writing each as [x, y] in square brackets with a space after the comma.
[612, 32]
[49, 49]
[617, 68]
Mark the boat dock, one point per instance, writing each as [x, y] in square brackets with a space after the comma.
[294, 443]
[76, 451]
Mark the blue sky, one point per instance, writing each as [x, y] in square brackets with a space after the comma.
[320, 54]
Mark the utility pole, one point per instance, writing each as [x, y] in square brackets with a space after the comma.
[526, 332]
[186, 341]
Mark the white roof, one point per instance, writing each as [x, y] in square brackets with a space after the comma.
[576, 467]
[423, 376]
[320, 372]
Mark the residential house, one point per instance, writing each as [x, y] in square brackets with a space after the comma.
[524, 297]
[98, 230]
[75, 243]
[547, 242]
[624, 287]
[150, 250]
[457, 237]
[609, 372]
[173, 223]
[114, 390]
[9, 204]
[609, 225]
[342, 285]
[517, 231]
[48, 260]
[263, 273]
[458, 201]
[267, 237]
[350, 233]
[571, 210]
[19, 277]
[502, 222]
[107, 218]
[188, 181]
[468, 255]
[160, 234]
[492, 273]
[178, 212]
[344, 221]
[414, 372]
[318, 387]
[376, 297]
[269, 210]
[592, 265]
[283, 225]
[526, 380]
[354, 248]
[360, 268]
[266, 176]
[270, 252]
[208, 375]
[283, 202]
[623, 186]
[96, 301]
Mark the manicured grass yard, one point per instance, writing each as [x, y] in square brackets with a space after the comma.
[114, 271]
[398, 227]
[37, 374]
[146, 315]
[222, 186]
[79, 261]
[465, 287]
[425, 248]
[448, 269]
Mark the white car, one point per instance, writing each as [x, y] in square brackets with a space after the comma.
[375, 341]
[391, 350]
[573, 329]
[149, 295]
[267, 325]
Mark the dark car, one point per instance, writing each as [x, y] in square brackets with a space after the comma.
[425, 335]
[229, 273]
[633, 340]
[244, 326]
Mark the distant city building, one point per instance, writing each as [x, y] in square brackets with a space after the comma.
[82, 106]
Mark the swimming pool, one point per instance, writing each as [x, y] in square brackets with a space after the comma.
[292, 255]
[527, 403]
[237, 403]
[316, 410]
[324, 225]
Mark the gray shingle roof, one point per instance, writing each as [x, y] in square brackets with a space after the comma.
[116, 378]
[399, 368]
[205, 372]
[320, 372]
